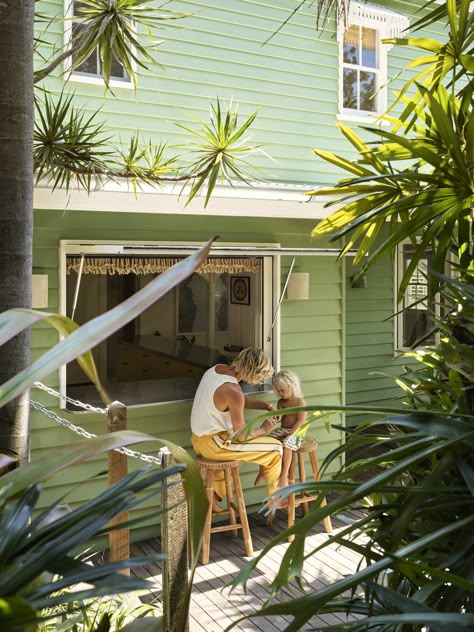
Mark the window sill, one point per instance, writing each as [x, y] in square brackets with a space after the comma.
[141, 393]
[98, 81]
[363, 119]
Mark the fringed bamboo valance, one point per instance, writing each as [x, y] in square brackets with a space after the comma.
[157, 265]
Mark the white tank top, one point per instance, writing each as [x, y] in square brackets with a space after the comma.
[206, 419]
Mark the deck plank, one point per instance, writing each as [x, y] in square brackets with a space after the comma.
[214, 606]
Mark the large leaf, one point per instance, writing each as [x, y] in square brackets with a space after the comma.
[46, 549]
[15, 320]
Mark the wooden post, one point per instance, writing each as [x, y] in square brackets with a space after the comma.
[119, 541]
[174, 544]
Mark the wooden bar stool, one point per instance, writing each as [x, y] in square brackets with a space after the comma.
[309, 447]
[231, 477]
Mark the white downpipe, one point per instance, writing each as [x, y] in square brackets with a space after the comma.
[78, 285]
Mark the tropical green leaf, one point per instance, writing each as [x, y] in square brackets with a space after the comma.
[425, 43]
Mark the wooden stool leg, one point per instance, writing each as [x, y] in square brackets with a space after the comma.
[315, 467]
[230, 500]
[206, 539]
[302, 473]
[291, 497]
[242, 513]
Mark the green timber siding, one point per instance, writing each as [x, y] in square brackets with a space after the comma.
[221, 50]
[370, 332]
[311, 332]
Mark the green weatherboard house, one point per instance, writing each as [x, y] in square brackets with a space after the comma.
[91, 251]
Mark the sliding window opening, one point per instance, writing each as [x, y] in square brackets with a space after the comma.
[161, 355]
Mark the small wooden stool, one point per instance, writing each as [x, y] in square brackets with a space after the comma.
[231, 475]
[309, 447]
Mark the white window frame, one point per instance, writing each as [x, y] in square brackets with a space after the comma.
[82, 77]
[398, 320]
[387, 24]
[271, 278]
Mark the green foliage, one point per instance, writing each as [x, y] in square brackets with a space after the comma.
[102, 615]
[221, 151]
[412, 481]
[432, 193]
[37, 557]
[112, 29]
[72, 147]
[68, 144]
[416, 505]
[443, 377]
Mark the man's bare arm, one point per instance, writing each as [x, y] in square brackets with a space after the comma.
[236, 402]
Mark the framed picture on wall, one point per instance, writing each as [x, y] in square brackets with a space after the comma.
[240, 290]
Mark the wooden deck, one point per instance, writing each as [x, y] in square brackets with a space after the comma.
[213, 608]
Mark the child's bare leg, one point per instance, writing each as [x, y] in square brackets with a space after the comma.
[285, 467]
[260, 476]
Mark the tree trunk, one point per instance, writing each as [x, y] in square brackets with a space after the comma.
[16, 204]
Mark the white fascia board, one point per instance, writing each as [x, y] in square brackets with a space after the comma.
[119, 197]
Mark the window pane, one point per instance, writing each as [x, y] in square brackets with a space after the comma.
[193, 307]
[118, 71]
[350, 89]
[90, 65]
[221, 301]
[367, 91]
[369, 48]
[351, 45]
[418, 314]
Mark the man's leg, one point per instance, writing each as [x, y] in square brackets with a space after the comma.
[263, 451]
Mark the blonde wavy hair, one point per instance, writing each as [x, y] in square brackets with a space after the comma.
[252, 365]
[290, 381]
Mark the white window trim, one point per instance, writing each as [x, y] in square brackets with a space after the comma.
[271, 283]
[74, 75]
[388, 24]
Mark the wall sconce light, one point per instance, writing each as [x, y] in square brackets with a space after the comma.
[358, 282]
[298, 287]
[39, 291]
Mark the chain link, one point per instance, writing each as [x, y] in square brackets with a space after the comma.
[89, 435]
[65, 398]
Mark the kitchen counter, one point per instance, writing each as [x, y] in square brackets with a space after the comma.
[190, 353]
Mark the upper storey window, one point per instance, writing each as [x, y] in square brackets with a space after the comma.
[360, 69]
[363, 67]
[89, 69]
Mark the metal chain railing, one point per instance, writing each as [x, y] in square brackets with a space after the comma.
[65, 398]
[134, 454]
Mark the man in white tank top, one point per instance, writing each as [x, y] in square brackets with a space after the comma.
[218, 415]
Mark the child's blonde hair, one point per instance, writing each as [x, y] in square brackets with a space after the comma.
[289, 380]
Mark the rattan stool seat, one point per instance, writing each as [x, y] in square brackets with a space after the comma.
[232, 484]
